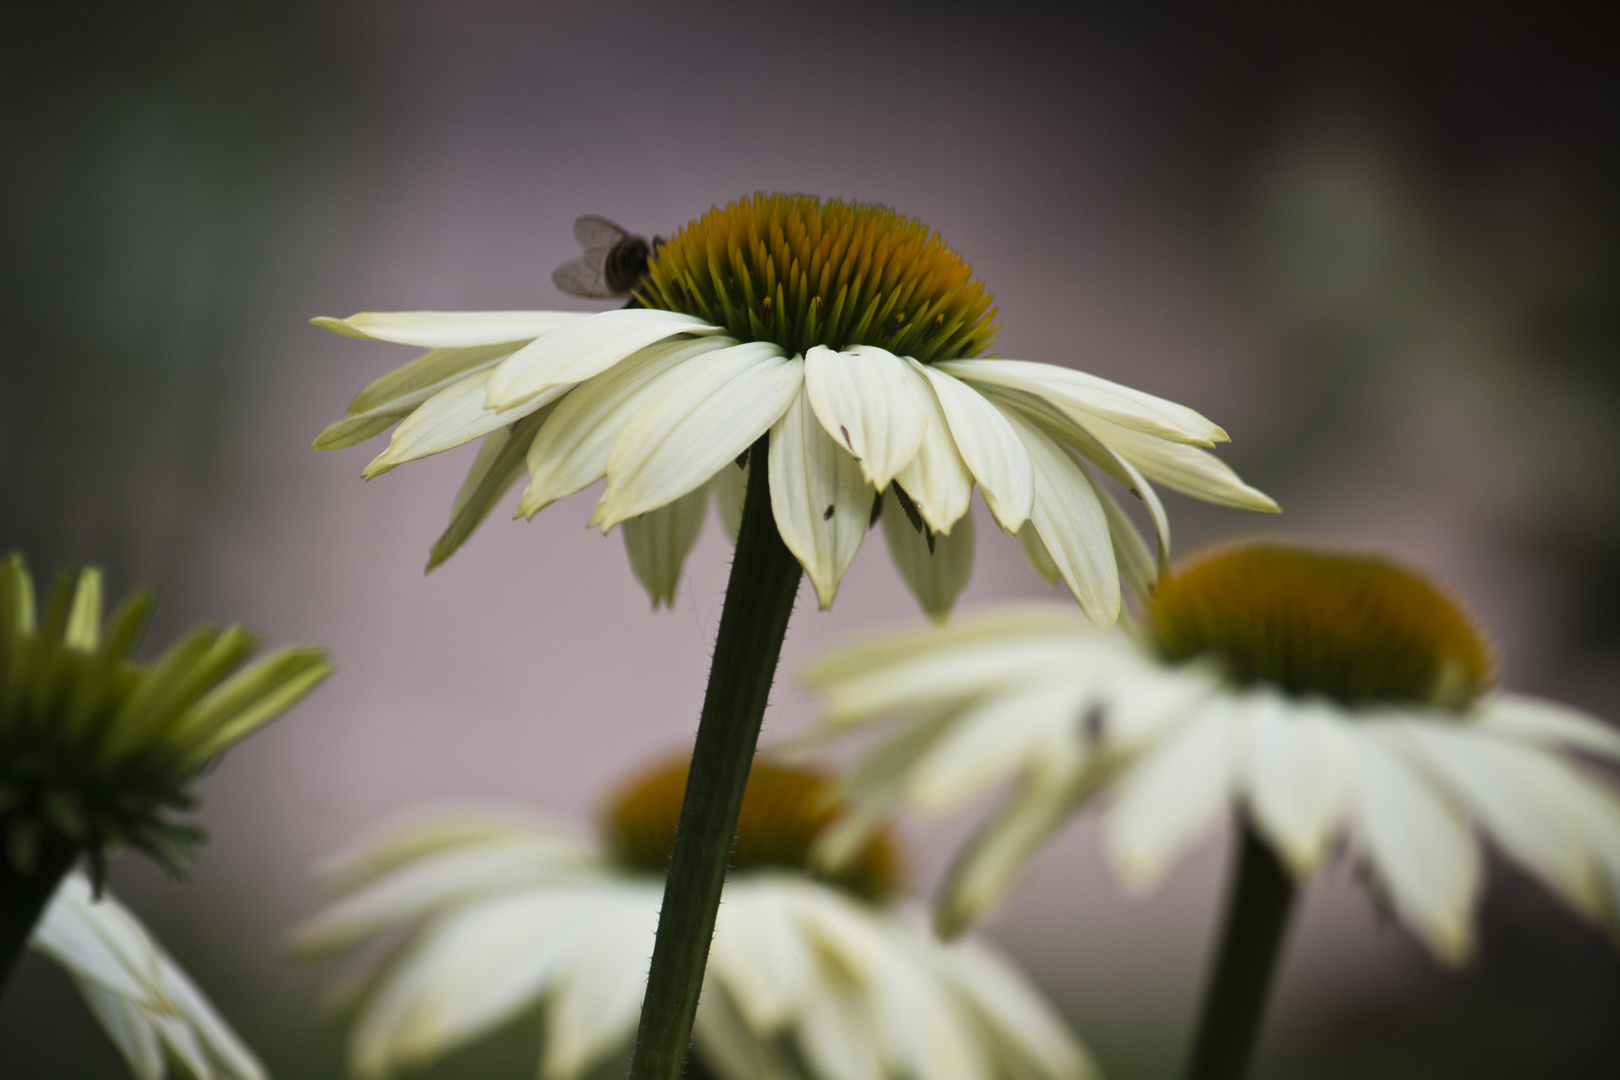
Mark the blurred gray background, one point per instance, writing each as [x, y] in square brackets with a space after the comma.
[1379, 243]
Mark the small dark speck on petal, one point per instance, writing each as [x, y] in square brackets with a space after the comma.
[826, 515]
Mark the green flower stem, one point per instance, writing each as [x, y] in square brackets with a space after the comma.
[23, 898]
[753, 622]
[1235, 1001]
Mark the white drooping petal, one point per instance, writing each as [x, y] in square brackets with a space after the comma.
[1520, 795]
[385, 401]
[730, 487]
[659, 541]
[1419, 847]
[1035, 553]
[867, 400]
[1175, 793]
[449, 418]
[837, 1036]
[601, 981]
[450, 329]
[1023, 1020]
[103, 943]
[572, 451]
[1298, 769]
[1093, 396]
[497, 467]
[131, 1030]
[1137, 566]
[990, 448]
[994, 739]
[1546, 723]
[1186, 469]
[760, 957]
[874, 650]
[705, 413]
[819, 498]
[924, 1029]
[936, 568]
[1070, 519]
[584, 349]
[727, 1046]
[937, 479]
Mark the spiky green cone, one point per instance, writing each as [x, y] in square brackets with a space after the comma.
[99, 750]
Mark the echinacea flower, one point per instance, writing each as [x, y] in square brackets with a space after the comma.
[1318, 695]
[147, 1005]
[847, 337]
[100, 751]
[493, 915]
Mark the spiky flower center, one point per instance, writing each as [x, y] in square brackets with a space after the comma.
[800, 271]
[1357, 629]
[783, 812]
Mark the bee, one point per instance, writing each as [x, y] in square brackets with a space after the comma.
[613, 262]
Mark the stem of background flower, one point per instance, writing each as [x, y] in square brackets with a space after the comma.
[1235, 1001]
[23, 898]
[759, 599]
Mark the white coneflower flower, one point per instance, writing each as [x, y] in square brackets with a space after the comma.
[811, 974]
[149, 1008]
[1319, 695]
[848, 336]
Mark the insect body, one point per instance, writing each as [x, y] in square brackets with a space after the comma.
[613, 262]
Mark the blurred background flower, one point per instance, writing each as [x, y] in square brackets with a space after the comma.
[1379, 244]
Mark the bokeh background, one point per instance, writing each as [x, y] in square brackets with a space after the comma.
[1379, 243]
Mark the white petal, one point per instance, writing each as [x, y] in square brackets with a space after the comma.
[426, 375]
[705, 414]
[731, 1051]
[129, 1028]
[936, 576]
[450, 329]
[1547, 723]
[572, 450]
[1035, 553]
[937, 479]
[1420, 848]
[1070, 518]
[990, 448]
[1170, 797]
[761, 958]
[1137, 566]
[1186, 469]
[1298, 769]
[659, 541]
[601, 983]
[1093, 396]
[99, 941]
[730, 486]
[836, 1035]
[1017, 1012]
[866, 399]
[1521, 796]
[924, 1030]
[497, 467]
[583, 349]
[1025, 728]
[449, 418]
[819, 498]
[213, 1035]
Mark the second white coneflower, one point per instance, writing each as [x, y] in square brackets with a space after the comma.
[830, 351]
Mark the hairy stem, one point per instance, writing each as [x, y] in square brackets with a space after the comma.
[759, 600]
[1235, 1001]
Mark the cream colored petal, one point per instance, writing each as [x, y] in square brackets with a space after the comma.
[426, 375]
[572, 452]
[497, 467]
[1137, 566]
[99, 942]
[1186, 469]
[990, 448]
[1298, 769]
[1035, 553]
[659, 541]
[925, 1030]
[867, 401]
[836, 1036]
[129, 1028]
[1069, 516]
[600, 984]
[449, 418]
[354, 430]
[760, 957]
[1521, 796]
[1094, 396]
[996, 856]
[937, 479]
[819, 498]
[1016, 1011]
[937, 573]
[450, 329]
[583, 349]
[1419, 847]
[1173, 795]
[212, 1034]
[730, 486]
[704, 415]
[1547, 723]
[723, 1042]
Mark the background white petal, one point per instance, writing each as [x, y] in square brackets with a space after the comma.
[450, 329]
[819, 498]
[706, 412]
[936, 571]
[866, 399]
[1547, 723]
[1298, 772]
